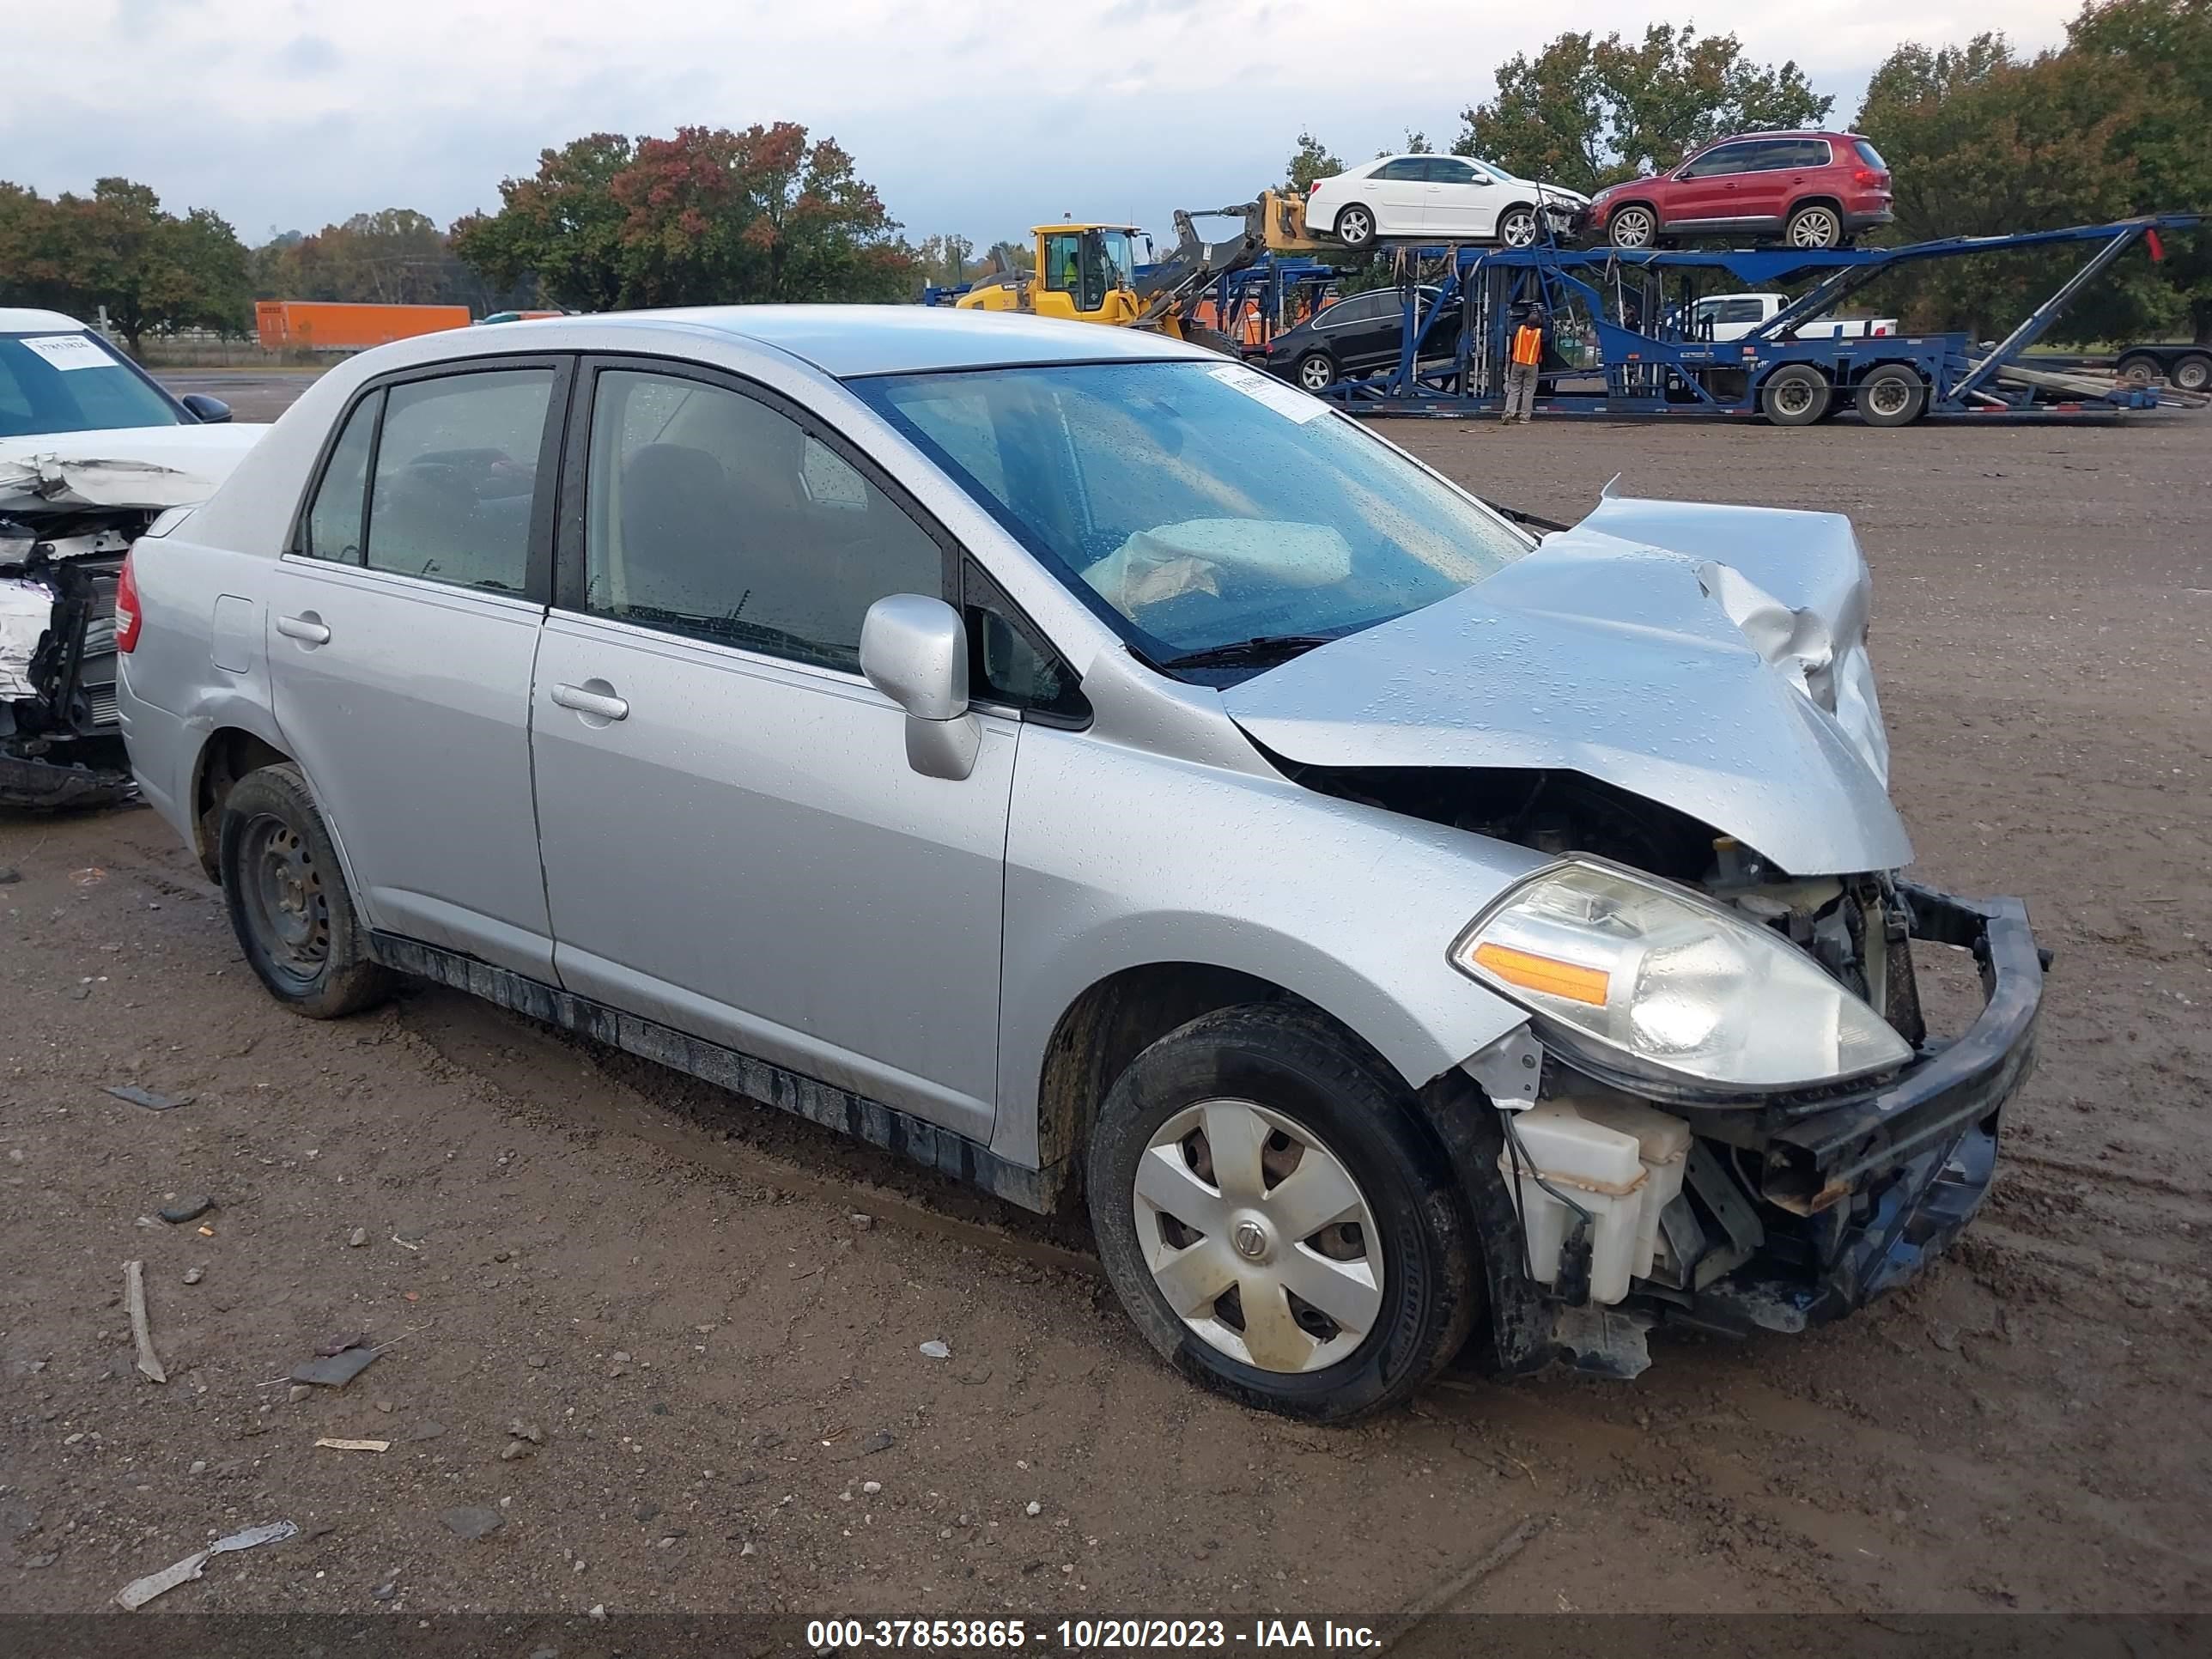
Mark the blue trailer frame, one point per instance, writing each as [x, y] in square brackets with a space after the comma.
[1662, 367]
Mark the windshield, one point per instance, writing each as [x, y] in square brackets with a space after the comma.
[73, 383]
[1197, 506]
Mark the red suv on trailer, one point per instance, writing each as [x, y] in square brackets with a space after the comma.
[1812, 190]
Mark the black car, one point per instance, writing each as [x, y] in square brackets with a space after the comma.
[1356, 336]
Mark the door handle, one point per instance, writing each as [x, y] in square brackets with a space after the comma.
[309, 630]
[602, 705]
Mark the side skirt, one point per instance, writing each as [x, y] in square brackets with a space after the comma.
[834, 1108]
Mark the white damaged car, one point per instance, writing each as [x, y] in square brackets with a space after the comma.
[92, 450]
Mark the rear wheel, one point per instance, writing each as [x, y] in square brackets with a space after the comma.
[1816, 225]
[1635, 226]
[1316, 372]
[1355, 226]
[1795, 394]
[2194, 372]
[1893, 395]
[1517, 225]
[1274, 1218]
[287, 900]
[2141, 369]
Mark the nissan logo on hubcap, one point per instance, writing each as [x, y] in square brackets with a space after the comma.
[1251, 1240]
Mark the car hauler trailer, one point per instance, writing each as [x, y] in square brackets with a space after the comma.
[1624, 340]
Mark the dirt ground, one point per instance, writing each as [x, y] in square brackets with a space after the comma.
[712, 1315]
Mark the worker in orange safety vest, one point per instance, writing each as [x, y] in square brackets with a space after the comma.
[1524, 361]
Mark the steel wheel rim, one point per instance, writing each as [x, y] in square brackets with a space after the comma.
[284, 899]
[1357, 226]
[1793, 397]
[1258, 1236]
[1517, 229]
[2138, 374]
[1631, 228]
[2193, 376]
[1818, 228]
[1889, 396]
[1314, 373]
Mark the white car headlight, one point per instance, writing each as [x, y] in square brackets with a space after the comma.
[1659, 982]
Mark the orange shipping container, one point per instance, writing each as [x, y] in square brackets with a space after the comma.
[327, 325]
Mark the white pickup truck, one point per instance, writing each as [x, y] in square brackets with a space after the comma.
[1732, 316]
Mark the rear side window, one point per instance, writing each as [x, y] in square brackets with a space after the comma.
[334, 521]
[456, 476]
[1406, 167]
[1869, 155]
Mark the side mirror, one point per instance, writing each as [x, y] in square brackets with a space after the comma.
[208, 411]
[915, 651]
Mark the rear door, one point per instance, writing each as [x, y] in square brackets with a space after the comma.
[1399, 191]
[733, 842]
[405, 622]
[1783, 170]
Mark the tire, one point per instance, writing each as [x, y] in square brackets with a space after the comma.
[1795, 394]
[1816, 225]
[2193, 372]
[1316, 372]
[1634, 227]
[286, 896]
[1517, 227]
[1291, 1088]
[2141, 369]
[1893, 395]
[1355, 226]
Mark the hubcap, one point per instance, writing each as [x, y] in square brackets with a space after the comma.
[1258, 1236]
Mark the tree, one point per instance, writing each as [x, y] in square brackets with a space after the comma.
[1585, 113]
[1310, 160]
[947, 259]
[1981, 142]
[117, 250]
[708, 216]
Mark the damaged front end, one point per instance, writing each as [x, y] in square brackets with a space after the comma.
[1617, 1200]
[61, 742]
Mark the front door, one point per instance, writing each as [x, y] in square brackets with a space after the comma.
[406, 620]
[1710, 191]
[1461, 201]
[733, 841]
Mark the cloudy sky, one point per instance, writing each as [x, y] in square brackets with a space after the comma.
[975, 115]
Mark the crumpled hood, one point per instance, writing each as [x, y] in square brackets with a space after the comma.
[1710, 657]
[139, 467]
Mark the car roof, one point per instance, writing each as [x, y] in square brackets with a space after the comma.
[28, 319]
[845, 341]
[1785, 132]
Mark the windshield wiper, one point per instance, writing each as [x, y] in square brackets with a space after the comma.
[1239, 653]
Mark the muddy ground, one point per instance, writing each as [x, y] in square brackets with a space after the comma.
[672, 1288]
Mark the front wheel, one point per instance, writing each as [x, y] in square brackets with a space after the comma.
[1316, 372]
[1275, 1218]
[1355, 226]
[1517, 227]
[287, 900]
[1632, 227]
[1795, 394]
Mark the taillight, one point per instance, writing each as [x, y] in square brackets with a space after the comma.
[1870, 179]
[127, 619]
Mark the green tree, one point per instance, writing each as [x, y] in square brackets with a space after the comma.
[1585, 113]
[117, 250]
[708, 216]
[1310, 160]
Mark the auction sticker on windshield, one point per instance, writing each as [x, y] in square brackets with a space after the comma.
[68, 350]
[1283, 399]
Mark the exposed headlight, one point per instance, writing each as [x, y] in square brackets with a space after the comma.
[1664, 984]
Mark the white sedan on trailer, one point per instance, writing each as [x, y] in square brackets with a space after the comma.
[1440, 198]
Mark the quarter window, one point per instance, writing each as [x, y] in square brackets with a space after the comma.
[457, 478]
[334, 521]
[711, 515]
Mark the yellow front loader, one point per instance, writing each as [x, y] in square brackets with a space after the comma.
[1088, 273]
